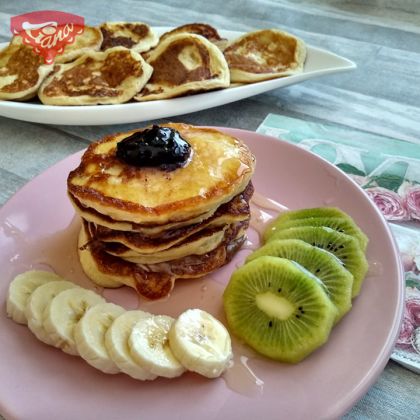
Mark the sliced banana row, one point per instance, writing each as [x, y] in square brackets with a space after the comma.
[113, 340]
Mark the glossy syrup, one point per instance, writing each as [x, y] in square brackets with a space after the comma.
[263, 211]
[375, 269]
[55, 252]
[241, 377]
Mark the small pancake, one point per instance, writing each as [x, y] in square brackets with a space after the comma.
[21, 71]
[263, 55]
[220, 167]
[89, 40]
[203, 29]
[109, 77]
[137, 36]
[184, 64]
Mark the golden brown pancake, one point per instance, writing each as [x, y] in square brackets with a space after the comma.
[89, 40]
[137, 36]
[151, 229]
[203, 29]
[109, 77]
[198, 244]
[21, 71]
[184, 64]
[137, 237]
[264, 54]
[220, 167]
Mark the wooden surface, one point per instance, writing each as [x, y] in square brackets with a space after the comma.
[382, 96]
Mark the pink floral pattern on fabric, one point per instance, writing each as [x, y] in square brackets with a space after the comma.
[412, 201]
[389, 203]
[410, 325]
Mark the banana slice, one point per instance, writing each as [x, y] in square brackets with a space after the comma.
[201, 343]
[37, 303]
[21, 288]
[116, 342]
[89, 335]
[64, 312]
[150, 348]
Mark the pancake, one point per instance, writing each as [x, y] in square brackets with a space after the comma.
[264, 54]
[138, 237]
[21, 71]
[109, 77]
[220, 167]
[203, 29]
[198, 244]
[236, 210]
[152, 281]
[89, 40]
[184, 64]
[152, 230]
[137, 36]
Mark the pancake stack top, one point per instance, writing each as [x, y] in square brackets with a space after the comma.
[145, 226]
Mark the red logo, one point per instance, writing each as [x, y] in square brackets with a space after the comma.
[47, 31]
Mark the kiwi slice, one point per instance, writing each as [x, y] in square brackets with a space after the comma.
[340, 224]
[343, 246]
[327, 267]
[331, 217]
[278, 309]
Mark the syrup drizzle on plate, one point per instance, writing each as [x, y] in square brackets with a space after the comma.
[263, 211]
[240, 376]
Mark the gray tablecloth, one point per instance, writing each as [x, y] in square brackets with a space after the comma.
[382, 96]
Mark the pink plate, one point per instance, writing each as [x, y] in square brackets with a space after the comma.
[38, 230]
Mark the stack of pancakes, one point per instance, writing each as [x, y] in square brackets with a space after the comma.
[145, 227]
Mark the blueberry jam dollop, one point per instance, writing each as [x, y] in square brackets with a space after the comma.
[157, 146]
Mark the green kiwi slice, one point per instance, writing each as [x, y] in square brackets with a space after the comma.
[327, 267]
[331, 217]
[344, 247]
[278, 309]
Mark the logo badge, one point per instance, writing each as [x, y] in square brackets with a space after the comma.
[47, 31]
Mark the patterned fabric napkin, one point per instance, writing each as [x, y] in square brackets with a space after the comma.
[389, 171]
